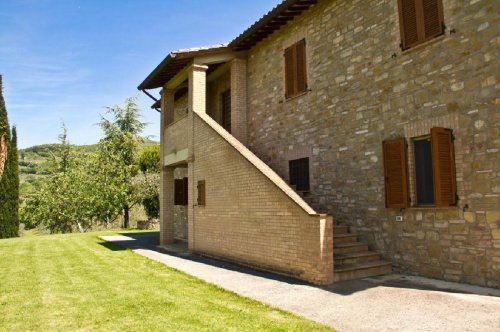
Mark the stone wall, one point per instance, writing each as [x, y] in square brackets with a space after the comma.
[363, 90]
[251, 216]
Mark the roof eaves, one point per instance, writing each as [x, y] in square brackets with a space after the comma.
[270, 22]
[157, 70]
[173, 57]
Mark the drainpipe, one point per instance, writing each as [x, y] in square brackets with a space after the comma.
[150, 96]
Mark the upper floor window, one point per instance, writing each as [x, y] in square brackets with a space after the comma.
[295, 69]
[434, 165]
[420, 21]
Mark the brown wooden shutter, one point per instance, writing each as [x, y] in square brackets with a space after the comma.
[443, 165]
[178, 192]
[420, 20]
[433, 18]
[201, 192]
[408, 23]
[300, 52]
[289, 72]
[396, 173]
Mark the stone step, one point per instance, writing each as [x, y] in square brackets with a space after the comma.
[340, 229]
[345, 238]
[357, 271]
[356, 258]
[346, 248]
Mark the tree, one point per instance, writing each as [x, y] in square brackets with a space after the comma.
[118, 149]
[9, 175]
[149, 161]
[147, 184]
[76, 196]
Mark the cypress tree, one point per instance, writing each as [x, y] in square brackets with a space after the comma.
[14, 165]
[9, 178]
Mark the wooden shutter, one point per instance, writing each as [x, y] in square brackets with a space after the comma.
[420, 20]
[433, 18]
[289, 72]
[201, 192]
[295, 69]
[443, 166]
[300, 51]
[178, 192]
[408, 23]
[396, 173]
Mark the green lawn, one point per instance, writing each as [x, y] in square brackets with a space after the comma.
[73, 282]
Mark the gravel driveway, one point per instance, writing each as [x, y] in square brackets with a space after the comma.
[389, 303]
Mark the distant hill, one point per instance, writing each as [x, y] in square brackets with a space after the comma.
[35, 163]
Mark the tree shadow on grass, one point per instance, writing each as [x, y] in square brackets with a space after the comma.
[112, 246]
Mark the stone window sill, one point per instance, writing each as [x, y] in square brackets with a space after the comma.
[427, 208]
[424, 44]
[297, 95]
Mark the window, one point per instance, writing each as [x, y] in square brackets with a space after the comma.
[226, 110]
[295, 69]
[434, 164]
[181, 191]
[299, 174]
[201, 193]
[424, 179]
[420, 21]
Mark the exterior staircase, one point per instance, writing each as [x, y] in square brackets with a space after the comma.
[353, 260]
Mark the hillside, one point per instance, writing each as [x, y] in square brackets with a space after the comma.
[35, 163]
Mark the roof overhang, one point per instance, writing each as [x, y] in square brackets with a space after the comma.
[272, 21]
[175, 62]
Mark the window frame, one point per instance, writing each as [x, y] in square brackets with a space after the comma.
[443, 170]
[414, 166]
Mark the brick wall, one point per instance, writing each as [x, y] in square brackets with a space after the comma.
[176, 136]
[251, 216]
[364, 89]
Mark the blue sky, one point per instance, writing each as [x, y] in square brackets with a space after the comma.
[64, 60]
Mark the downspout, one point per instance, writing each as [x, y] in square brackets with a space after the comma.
[150, 96]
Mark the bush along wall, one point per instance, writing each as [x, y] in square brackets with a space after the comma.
[9, 175]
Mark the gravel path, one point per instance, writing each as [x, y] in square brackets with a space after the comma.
[390, 303]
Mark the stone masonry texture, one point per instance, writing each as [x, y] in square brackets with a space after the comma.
[363, 90]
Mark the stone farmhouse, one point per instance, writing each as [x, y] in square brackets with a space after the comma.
[339, 139]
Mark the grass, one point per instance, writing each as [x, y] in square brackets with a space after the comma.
[77, 282]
